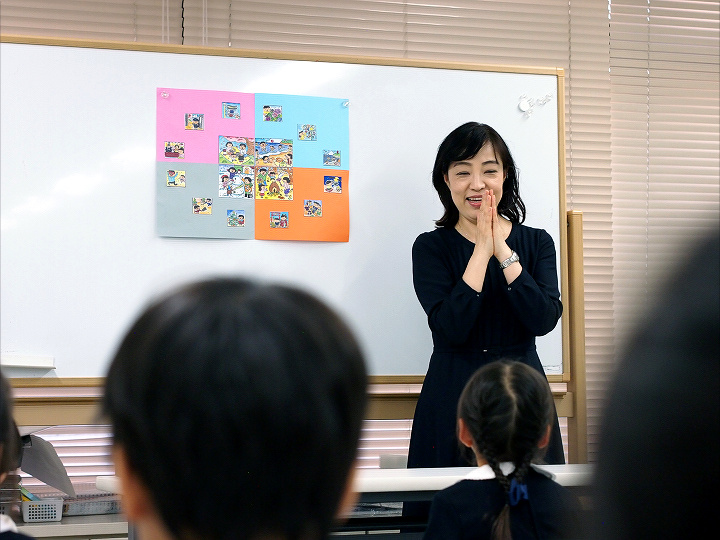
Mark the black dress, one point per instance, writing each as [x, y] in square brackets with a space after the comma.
[471, 329]
[467, 510]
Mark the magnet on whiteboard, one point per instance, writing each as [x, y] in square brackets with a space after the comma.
[524, 105]
[165, 94]
[346, 103]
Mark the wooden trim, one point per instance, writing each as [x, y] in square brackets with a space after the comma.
[65, 382]
[391, 407]
[565, 261]
[99, 382]
[53, 413]
[577, 423]
[275, 55]
[396, 379]
[60, 410]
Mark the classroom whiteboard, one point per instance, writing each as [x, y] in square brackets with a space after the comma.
[80, 255]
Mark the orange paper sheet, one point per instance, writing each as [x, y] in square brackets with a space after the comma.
[308, 184]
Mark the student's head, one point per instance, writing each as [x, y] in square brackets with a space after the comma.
[658, 463]
[463, 143]
[504, 414]
[236, 409]
[9, 436]
[506, 408]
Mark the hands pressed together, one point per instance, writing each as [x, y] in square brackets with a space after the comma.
[490, 235]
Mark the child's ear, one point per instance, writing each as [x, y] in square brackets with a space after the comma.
[464, 434]
[136, 501]
[545, 439]
[350, 496]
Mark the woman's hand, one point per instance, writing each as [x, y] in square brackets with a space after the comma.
[500, 247]
[484, 239]
[474, 274]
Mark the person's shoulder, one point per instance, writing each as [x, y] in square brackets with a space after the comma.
[530, 232]
[468, 488]
[531, 238]
[551, 490]
[437, 232]
[439, 235]
[11, 535]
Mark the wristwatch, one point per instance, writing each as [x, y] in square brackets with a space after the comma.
[511, 259]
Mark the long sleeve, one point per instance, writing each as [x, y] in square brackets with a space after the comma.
[534, 296]
[500, 315]
[451, 305]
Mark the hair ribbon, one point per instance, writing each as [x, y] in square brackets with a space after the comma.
[517, 492]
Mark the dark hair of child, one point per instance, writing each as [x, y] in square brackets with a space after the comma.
[507, 408]
[239, 404]
[9, 437]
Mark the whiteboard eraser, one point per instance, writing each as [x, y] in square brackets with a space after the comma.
[27, 361]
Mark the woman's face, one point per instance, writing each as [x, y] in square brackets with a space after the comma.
[468, 180]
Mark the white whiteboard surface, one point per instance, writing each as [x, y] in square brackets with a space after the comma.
[79, 253]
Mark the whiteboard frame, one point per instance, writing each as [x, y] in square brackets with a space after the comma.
[379, 61]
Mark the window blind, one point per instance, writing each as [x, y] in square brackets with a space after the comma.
[109, 20]
[665, 59]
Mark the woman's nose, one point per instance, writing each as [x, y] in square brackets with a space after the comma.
[477, 182]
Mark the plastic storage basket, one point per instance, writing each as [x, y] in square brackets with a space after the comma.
[44, 510]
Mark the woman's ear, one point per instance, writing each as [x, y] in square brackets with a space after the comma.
[464, 434]
[545, 439]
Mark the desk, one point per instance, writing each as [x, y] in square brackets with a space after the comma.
[383, 485]
[374, 482]
[394, 485]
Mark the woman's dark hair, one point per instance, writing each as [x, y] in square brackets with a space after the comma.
[507, 407]
[239, 406]
[9, 436]
[463, 143]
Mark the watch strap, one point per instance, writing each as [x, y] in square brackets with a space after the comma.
[511, 259]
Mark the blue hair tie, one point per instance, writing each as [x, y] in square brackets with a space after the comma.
[517, 492]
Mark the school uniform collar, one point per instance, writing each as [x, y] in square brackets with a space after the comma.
[7, 524]
[485, 472]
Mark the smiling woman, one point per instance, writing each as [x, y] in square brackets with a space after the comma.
[487, 283]
[470, 179]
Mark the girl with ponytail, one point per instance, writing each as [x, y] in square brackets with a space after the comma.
[504, 421]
